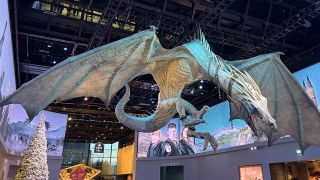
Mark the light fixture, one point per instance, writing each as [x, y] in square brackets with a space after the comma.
[85, 98]
[49, 45]
[298, 151]
[192, 91]
[69, 118]
[54, 62]
[121, 127]
[65, 48]
[201, 81]
[202, 93]
[200, 87]
[253, 148]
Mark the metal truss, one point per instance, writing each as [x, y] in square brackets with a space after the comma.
[216, 9]
[294, 22]
[104, 23]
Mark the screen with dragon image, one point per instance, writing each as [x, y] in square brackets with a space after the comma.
[171, 140]
[15, 133]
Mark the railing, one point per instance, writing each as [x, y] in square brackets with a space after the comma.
[78, 12]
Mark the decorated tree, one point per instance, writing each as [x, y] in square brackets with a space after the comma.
[34, 163]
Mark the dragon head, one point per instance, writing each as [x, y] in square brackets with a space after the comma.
[260, 120]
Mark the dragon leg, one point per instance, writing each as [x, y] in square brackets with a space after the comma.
[184, 107]
[206, 136]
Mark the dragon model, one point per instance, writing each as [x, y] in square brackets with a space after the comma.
[260, 90]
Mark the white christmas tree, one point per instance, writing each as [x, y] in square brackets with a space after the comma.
[34, 163]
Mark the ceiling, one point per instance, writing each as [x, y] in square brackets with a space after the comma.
[46, 33]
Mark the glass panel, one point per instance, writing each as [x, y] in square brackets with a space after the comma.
[114, 153]
[107, 146]
[96, 162]
[115, 145]
[113, 161]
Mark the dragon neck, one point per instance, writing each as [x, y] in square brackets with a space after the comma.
[236, 84]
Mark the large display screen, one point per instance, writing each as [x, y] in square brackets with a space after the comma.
[171, 140]
[15, 133]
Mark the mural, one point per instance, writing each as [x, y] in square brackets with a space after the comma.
[7, 75]
[15, 132]
[20, 132]
[171, 140]
[310, 81]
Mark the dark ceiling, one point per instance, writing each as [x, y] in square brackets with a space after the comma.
[49, 32]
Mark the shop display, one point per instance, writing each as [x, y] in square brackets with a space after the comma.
[261, 90]
[252, 172]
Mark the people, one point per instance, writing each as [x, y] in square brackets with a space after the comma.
[154, 148]
[169, 147]
[185, 144]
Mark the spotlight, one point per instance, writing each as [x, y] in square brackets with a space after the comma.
[54, 62]
[49, 45]
[202, 93]
[86, 99]
[121, 127]
[253, 148]
[192, 91]
[201, 81]
[200, 87]
[298, 151]
[70, 118]
[65, 49]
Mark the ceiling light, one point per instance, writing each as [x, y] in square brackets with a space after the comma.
[298, 151]
[69, 118]
[202, 93]
[253, 148]
[49, 45]
[65, 49]
[54, 62]
[200, 87]
[121, 127]
[192, 91]
[201, 81]
[85, 98]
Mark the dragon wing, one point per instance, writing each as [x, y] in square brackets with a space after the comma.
[100, 72]
[288, 103]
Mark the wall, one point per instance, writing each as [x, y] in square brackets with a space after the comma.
[223, 164]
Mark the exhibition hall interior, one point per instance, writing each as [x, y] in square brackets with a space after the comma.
[160, 89]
